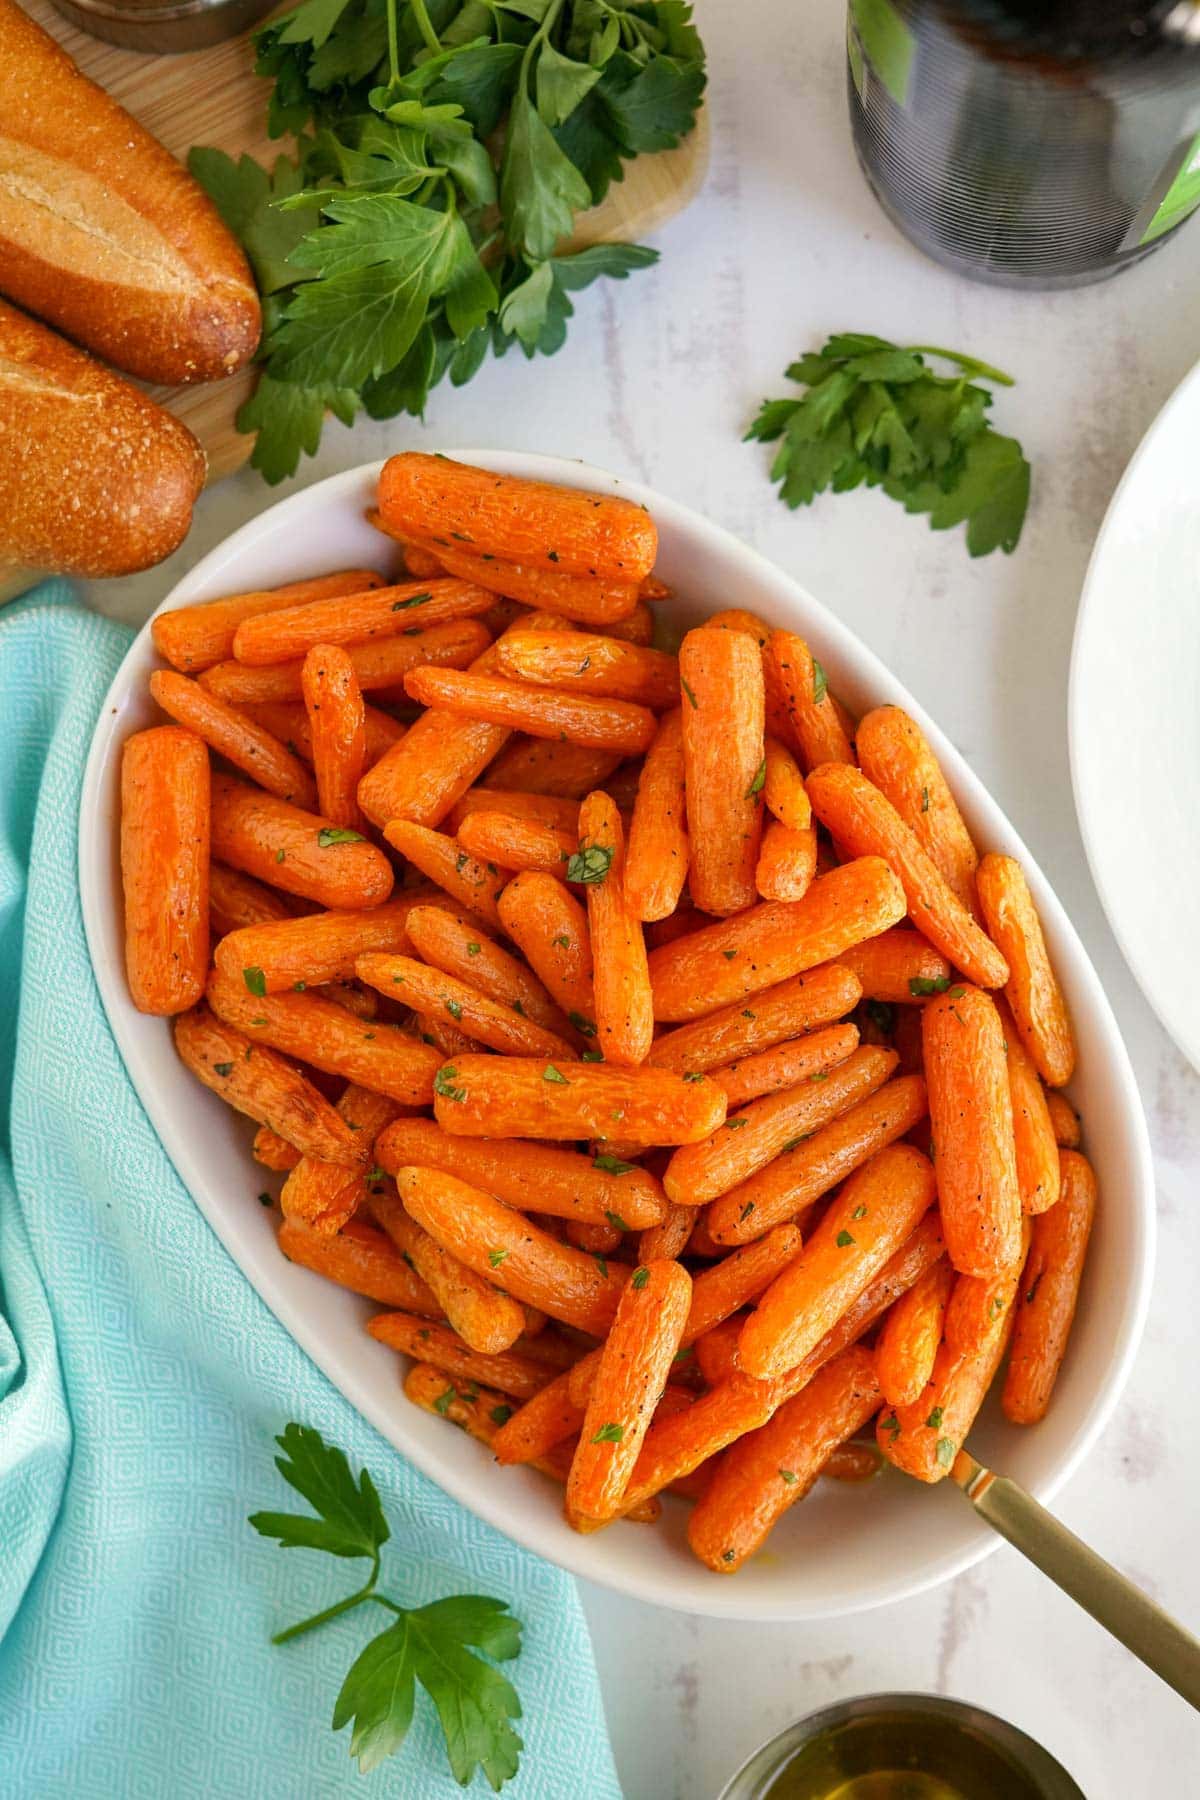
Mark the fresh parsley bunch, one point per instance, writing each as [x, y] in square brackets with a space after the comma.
[875, 415]
[432, 1644]
[444, 148]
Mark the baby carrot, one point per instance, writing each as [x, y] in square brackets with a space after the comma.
[288, 721]
[852, 1461]
[911, 1334]
[293, 954]
[716, 1349]
[236, 900]
[815, 722]
[784, 792]
[1033, 1132]
[539, 766]
[597, 1240]
[562, 1182]
[430, 991]
[750, 1139]
[379, 667]
[504, 1246]
[670, 1236]
[874, 1214]
[1048, 1292]
[471, 884]
[493, 1096]
[359, 1257]
[970, 1109]
[195, 637]
[549, 926]
[894, 754]
[483, 1317]
[804, 1059]
[787, 862]
[517, 843]
[440, 1345]
[898, 967]
[975, 1300]
[234, 736]
[360, 618]
[295, 850]
[591, 600]
[338, 728]
[165, 831]
[728, 1285]
[264, 1086]
[924, 1437]
[320, 1032]
[589, 663]
[801, 1004]
[324, 1195]
[1032, 989]
[724, 770]
[770, 1469]
[615, 725]
[420, 778]
[656, 863]
[738, 957]
[457, 945]
[433, 498]
[534, 1428]
[867, 824]
[544, 809]
[273, 1152]
[620, 979]
[1064, 1120]
[634, 1364]
[800, 1176]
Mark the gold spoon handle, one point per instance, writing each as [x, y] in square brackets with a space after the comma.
[1154, 1638]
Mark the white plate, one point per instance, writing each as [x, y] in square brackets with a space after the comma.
[1134, 715]
[844, 1549]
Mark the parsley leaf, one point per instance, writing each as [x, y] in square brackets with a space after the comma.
[611, 1433]
[337, 834]
[349, 1518]
[612, 1165]
[255, 981]
[590, 864]
[921, 986]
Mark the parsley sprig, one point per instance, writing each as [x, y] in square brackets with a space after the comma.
[433, 1645]
[875, 415]
[444, 148]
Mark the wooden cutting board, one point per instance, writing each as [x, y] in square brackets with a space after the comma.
[213, 97]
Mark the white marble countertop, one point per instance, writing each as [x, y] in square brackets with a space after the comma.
[658, 379]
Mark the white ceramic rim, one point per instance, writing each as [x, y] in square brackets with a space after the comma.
[712, 1597]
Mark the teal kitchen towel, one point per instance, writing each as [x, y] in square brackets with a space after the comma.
[141, 1384]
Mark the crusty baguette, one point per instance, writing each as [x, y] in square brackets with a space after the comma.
[103, 233]
[95, 479]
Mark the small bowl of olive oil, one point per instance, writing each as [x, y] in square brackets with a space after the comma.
[902, 1747]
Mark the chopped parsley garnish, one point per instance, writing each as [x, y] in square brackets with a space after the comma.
[759, 782]
[639, 1278]
[443, 1084]
[612, 1165]
[612, 1433]
[843, 1240]
[416, 600]
[921, 986]
[590, 864]
[945, 1451]
[256, 981]
[337, 834]
[454, 1008]
[820, 682]
[222, 1069]
[550, 1073]
[583, 1026]
[496, 1257]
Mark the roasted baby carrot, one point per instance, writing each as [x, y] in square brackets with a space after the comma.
[815, 722]
[544, 809]
[288, 721]
[772, 1468]
[614, 725]
[597, 1240]
[559, 1181]
[265, 1087]
[420, 778]
[970, 1109]
[1048, 1292]
[1033, 1131]
[165, 835]
[865, 823]
[493, 1096]
[676, 1445]
[728, 1285]
[534, 1428]
[656, 863]
[716, 1349]
[433, 498]
[764, 945]
[483, 1317]
[380, 667]
[803, 1059]
[338, 731]
[874, 1214]
[504, 1246]
[899, 967]
[295, 850]
[632, 1371]
[893, 753]
[293, 954]
[724, 768]
[384, 612]
[1032, 989]
[550, 927]
[751, 1138]
[800, 1176]
[517, 843]
[787, 862]
[586, 598]
[456, 944]
[236, 900]
[784, 792]
[620, 978]
[195, 637]
[1064, 1120]
[469, 883]
[911, 1334]
[975, 1300]
[273, 1152]
[924, 1437]
[537, 765]
[852, 1461]
[440, 1345]
[670, 1236]
[324, 1195]
[318, 1031]
[235, 736]
[430, 991]
[362, 1258]
[801, 1004]
[589, 663]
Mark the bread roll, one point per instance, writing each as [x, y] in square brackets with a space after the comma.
[103, 233]
[95, 479]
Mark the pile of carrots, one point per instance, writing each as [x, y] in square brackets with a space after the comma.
[643, 1032]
